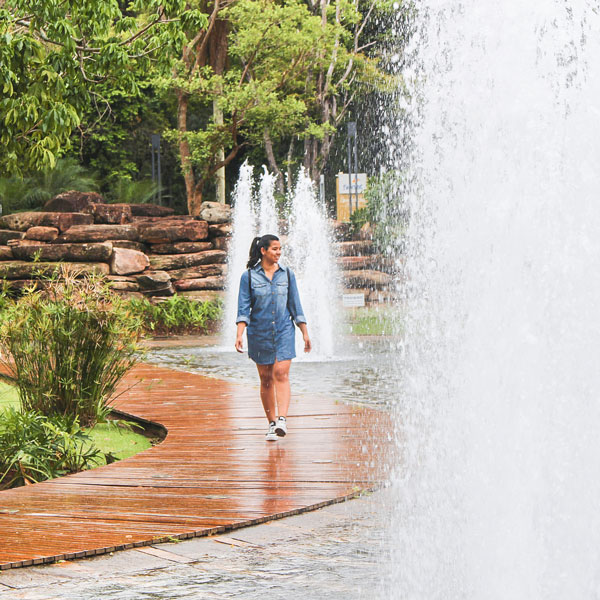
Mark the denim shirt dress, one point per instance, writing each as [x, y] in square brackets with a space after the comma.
[269, 315]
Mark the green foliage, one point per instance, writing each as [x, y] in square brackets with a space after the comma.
[35, 447]
[28, 193]
[67, 348]
[54, 55]
[133, 192]
[386, 211]
[177, 314]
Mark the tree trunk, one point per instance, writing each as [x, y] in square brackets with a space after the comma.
[218, 62]
[273, 163]
[184, 150]
[220, 174]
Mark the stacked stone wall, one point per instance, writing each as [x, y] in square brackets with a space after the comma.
[142, 249]
[362, 268]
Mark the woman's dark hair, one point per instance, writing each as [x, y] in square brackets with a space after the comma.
[258, 243]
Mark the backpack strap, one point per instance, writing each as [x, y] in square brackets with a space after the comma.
[250, 288]
[288, 294]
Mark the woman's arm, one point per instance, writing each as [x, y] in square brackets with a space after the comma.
[244, 310]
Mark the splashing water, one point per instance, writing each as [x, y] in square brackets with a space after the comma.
[244, 231]
[498, 486]
[312, 260]
[267, 211]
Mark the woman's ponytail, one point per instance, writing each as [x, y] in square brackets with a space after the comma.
[254, 255]
[258, 243]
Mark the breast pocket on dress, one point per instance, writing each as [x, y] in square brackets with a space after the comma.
[260, 289]
[282, 289]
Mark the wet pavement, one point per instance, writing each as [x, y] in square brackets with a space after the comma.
[337, 552]
[363, 371]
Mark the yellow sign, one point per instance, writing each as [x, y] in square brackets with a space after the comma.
[357, 185]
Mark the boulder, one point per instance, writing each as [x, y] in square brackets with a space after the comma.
[184, 261]
[111, 214]
[206, 283]
[150, 210]
[7, 234]
[220, 229]
[32, 270]
[123, 284]
[199, 272]
[359, 262]
[168, 218]
[41, 234]
[21, 242]
[124, 262]
[215, 212]
[68, 252]
[341, 230]
[155, 283]
[368, 278]
[73, 201]
[6, 253]
[202, 295]
[163, 233]
[181, 247]
[130, 245]
[99, 233]
[61, 220]
[221, 243]
[358, 248]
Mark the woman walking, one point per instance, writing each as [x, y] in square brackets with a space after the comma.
[269, 305]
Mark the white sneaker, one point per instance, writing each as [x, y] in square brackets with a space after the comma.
[271, 436]
[281, 427]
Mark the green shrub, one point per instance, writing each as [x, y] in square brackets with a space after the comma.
[177, 314]
[67, 347]
[34, 447]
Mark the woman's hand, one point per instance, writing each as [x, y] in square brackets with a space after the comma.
[239, 343]
[239, 339]
[307, 344]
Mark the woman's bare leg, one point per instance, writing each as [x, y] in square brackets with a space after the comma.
[267, 391]
[281, 372]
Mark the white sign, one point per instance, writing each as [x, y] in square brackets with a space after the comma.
[353, 300]
[359, 183]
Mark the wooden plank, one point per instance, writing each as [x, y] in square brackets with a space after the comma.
[213, 472]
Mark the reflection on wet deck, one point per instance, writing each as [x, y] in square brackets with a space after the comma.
[213, 472]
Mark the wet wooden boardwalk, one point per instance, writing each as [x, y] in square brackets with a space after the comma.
[213, 472]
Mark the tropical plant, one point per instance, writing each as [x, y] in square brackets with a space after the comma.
[66, 348]
[36, 447]
[34, 191]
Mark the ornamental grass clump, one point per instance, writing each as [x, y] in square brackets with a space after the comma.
[66, 347]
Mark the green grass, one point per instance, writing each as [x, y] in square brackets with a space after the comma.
[378, 320]
[118, 441]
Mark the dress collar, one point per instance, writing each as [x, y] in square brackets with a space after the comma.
[260, 269]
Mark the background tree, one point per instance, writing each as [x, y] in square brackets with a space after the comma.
[55, 55]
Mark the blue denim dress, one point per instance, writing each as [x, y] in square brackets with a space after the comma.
[270, 314]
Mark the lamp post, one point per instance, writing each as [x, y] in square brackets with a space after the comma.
[156, 176]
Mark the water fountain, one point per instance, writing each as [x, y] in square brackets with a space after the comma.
[497, 489]
[307, 250]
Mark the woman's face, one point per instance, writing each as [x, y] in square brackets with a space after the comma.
[273, 252]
